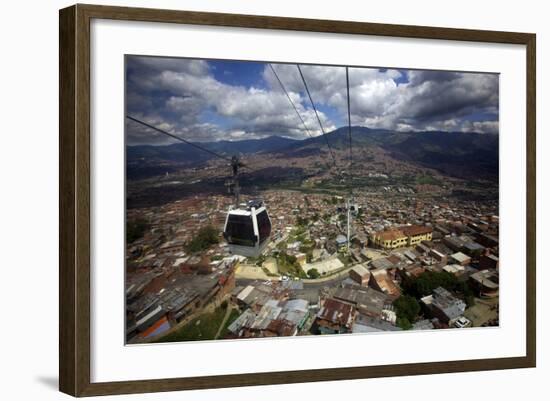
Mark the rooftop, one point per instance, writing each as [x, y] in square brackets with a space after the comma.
[447, 303]
[382, 263]
[415, 230]
[454, 269]
[361, 270]
[460, 257]
[365, 298]
[368, 324]
[487, 278]
[391, 235]
[336, 311]
[385, 283]
[423, 325]
[341, 239]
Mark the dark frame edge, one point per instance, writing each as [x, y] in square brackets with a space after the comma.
[74, 201]
[302, 376]
[67, 176]
[301, 24]
[531, 200]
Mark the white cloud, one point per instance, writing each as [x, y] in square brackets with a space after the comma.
[257, 111]
[426, 100]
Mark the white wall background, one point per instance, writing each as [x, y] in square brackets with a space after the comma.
[29, 185]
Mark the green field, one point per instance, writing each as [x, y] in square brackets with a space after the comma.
[203, 327]
[427, 179]
[232, 317]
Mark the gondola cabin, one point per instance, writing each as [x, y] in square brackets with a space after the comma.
[247, 229]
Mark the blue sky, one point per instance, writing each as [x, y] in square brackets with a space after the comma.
[211, 100]
[238, 73]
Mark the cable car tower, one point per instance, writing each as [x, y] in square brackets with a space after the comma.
[343, 176]
[350, 178]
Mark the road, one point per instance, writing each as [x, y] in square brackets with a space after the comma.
[307, 284]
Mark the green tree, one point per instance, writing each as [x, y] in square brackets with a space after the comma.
[206, 237]
[288, 264]
[404, 323]
[429, 281]
[260, 260]
[464, 288]
[406, 307]
[313, 273]
[136, 229]
[291, 259]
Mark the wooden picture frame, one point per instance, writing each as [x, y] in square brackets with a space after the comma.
[74, 203]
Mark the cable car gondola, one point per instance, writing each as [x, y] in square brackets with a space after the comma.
[247, 229]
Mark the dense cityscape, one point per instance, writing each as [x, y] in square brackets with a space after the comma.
[267, 200]
[411, 263]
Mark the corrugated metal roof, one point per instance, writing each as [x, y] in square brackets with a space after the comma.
[244, 293]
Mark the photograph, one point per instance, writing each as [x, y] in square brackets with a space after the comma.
[270, 199]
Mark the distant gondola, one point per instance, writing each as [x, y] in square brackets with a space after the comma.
[247, 229]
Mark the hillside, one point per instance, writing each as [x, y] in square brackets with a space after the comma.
[456, 154]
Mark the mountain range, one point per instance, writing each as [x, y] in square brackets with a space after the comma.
[457, 154]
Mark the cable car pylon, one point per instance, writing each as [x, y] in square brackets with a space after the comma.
[350, 166]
